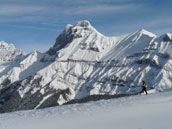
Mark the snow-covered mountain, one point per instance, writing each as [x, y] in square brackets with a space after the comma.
[85, 65]
[16, 65]
[9, 53]
[9, 58]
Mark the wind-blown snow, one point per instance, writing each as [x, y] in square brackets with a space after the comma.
[151, 111]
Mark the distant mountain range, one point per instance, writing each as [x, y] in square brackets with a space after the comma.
[84, 64]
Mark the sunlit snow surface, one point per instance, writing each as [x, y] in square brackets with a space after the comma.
[83, 62]
[153, 111]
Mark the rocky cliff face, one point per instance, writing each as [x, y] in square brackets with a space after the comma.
[83, 65]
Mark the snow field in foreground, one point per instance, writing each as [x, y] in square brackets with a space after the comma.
[153, 111]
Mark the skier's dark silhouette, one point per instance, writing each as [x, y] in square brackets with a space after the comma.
[144, 87]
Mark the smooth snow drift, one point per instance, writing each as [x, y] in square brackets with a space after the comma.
[153, 111]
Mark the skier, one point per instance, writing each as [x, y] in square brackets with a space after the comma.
[144, 87]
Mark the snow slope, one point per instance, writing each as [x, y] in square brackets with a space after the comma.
[151, 111]
[18, 65]
[9, 58]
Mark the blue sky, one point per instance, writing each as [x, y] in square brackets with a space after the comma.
[35, 24]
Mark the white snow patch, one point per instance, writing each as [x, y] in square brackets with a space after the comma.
[43, 100]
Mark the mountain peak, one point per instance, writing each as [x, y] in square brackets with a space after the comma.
[68, 26]
[8, 52]
[4, 45]
[84, 23]
[145, 32]
[71, 33]
[167, 37]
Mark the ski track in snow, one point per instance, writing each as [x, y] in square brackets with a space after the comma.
[153, 111]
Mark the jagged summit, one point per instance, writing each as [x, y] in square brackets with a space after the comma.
[84, 23]
[8, 52]
[78, 31]
[83, 42]
[67, 28]
[145, 32]
[167, 37]
[4, 45]
[90, 37]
